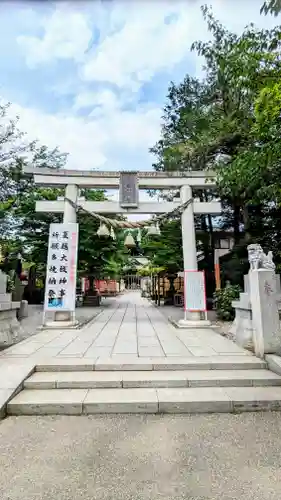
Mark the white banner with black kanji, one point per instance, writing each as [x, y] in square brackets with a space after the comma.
[60, 289]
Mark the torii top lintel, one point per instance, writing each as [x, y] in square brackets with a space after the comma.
[110, 180]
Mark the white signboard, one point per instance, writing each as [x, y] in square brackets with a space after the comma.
[60, 290]
[194, 291]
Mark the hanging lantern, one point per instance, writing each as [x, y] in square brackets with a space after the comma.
[152, 230]
[103, 230]
[157, 227]
[129, 241]
[139, 236]
[112, 233]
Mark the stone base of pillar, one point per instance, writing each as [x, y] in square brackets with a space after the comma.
[193, 323]
[62, 316]
[61, 325]
[188, 323]
[63, 320]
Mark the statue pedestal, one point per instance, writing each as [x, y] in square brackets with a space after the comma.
[242, 327]
[266, 324]
[257, 326]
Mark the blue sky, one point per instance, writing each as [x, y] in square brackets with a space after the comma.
[91, 77]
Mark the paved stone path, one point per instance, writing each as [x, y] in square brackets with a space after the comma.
[132, 457]
[129, 326]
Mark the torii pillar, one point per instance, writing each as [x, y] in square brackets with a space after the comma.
[69, 214]
[192, 319]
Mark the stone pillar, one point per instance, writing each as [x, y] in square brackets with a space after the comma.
[69, 215]
[192, 319]
[188, 232]
[265, 316]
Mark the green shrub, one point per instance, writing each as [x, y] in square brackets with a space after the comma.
[223, 299]
[10, 284]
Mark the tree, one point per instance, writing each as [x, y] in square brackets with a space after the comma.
[25, 230]
[16, 191]
[33, 227]
[96, 252]
[164, 250]
[116, 265]
[222, 121]
[12, 149]
[271, 7]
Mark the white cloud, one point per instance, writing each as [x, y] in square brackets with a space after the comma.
[92, 143]
[66, 36]
[134, 41]
[143, 46]
[106, 101]
[133, 44]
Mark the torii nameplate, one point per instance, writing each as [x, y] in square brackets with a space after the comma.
[128, 190]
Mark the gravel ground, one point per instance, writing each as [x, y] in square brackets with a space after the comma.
[191, 457]
[221, 327]
[34, 319]
[32, 324]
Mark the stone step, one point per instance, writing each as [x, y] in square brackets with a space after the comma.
[131, 363]
[145, 400]
[157, 378]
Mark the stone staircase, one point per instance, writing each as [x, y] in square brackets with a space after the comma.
[178, 385]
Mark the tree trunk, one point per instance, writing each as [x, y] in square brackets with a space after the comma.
[236, 223]
[246, 222]
[209, 226]
[91, 291]
[211, 231]
[204, 228]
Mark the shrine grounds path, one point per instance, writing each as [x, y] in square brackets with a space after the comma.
[127, 327]
[141, 457]
[134, 457]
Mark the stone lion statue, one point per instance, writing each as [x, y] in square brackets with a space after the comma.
[258, 259]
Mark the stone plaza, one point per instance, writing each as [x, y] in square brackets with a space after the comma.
[128, 325]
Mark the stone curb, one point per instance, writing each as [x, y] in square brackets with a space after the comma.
[13, 384]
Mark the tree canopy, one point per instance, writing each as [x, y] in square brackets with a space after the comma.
[26, 231]
[271, 7]
[229, 121]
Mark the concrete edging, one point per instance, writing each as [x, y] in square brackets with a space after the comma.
[273, 363]
[7, 393]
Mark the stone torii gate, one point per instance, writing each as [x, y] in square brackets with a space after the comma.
[129, 184]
